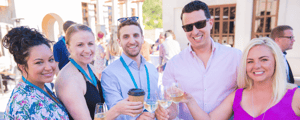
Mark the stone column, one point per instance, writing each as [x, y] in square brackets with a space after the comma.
[114, 16]
[140, 13]
[92, 19]
[100, 26]
[128, 8]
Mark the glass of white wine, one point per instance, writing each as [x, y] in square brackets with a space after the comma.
[175, 92]
[164, 100]
[150, 103]
[100, 111]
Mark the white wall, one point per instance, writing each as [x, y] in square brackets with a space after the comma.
[243, 23]
[33, 11]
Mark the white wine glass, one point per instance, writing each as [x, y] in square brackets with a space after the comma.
[100, 111]
[175, 92]
[164, 100]
[150, 103]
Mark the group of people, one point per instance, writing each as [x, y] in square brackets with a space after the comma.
[218, 81]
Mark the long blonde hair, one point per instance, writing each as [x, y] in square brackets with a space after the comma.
[279, 83]
[113, 47]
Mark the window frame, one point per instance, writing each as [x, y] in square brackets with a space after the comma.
[265, 16]
[221, 21]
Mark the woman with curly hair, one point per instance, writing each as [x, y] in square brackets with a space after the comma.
[31, 99]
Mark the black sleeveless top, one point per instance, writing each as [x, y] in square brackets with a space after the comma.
[92, 97]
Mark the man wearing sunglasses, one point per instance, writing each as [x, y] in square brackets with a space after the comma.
[283, 36]
[206, 69]
[130, 71]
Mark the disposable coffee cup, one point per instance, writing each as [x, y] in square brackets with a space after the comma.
[136, 95]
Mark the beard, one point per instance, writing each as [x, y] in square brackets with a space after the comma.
[133, 53]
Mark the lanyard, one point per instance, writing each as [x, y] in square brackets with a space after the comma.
[63, 39]
[42, 91]
[93, 80]
[132, 78]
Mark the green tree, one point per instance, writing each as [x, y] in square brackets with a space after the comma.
[152, 14]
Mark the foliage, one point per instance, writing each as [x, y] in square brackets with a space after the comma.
[152, 14]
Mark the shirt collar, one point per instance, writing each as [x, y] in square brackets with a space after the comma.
[129, 61]
[168, 38]
[212, 43]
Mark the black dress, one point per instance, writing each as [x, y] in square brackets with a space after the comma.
[92, 97]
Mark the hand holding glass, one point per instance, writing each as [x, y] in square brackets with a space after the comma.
[164, 99]
[150, 102]
[175, 92]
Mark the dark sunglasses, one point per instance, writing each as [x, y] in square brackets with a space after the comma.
[289, 37]
[128, 18]
[200, 24]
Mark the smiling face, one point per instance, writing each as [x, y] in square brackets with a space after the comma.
[198, 38]
[131, 40]
[260, 64]
[41, 65]
[82, 47]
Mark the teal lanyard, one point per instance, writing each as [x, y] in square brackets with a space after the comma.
[132, 78]
[63, 39]
[42, 91]
[93, 80]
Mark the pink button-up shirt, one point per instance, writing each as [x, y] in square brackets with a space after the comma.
[209, 86]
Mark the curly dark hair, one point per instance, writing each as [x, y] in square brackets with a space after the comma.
[195, 6]
[19, 40]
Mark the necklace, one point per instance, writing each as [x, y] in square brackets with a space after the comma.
[266, 108]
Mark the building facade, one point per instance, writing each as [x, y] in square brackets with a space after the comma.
[236, 22]
[48, 16]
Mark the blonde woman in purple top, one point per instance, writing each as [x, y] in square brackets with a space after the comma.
[263, 92]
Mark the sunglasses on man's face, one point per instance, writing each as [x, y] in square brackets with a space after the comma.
[128, 18]
[200, 24]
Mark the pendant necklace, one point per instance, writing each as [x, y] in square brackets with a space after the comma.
[266, 108]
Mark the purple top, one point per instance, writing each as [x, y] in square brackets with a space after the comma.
[281, 111]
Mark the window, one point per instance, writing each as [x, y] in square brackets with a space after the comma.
[265, 16]
[86, 7]
[85, 14]
[224, 23]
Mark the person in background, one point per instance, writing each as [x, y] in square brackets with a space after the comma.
[76, 84]
[100, 54]
[206, 69]
[113, 51]
[145, 51]
[158, 42]
[168, 49]
[284, 37]
[263, 90]
[31, 98]
[116, 79]
[60, 51]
